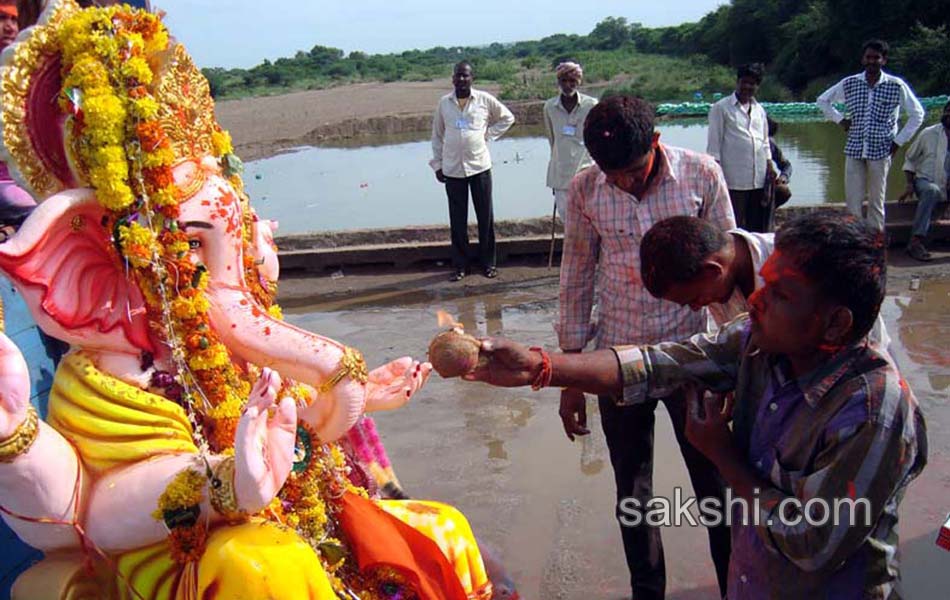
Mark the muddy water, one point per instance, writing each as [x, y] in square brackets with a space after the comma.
[388, 183]
[547, 504]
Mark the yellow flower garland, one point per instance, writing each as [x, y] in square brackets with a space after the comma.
[108, 58]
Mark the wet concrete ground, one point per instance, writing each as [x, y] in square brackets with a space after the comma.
[547, 504]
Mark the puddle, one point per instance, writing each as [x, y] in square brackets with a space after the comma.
[502, 458]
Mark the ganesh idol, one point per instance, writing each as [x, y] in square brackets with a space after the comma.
[188, 449]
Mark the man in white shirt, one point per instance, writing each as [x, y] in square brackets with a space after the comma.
[738, 139]
[873, 100]
[464, 122]
[564, 117]
[693, 263]
[927, 167]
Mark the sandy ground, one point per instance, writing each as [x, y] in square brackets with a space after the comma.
[262, 126]
[546, 504]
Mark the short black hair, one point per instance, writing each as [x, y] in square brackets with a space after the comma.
[463, 63]
[619, 130]
[845, 257]
[878, 45]
[673, 251]
[753, 70]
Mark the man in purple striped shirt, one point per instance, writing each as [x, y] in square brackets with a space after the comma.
[826, 435]
[635, 182]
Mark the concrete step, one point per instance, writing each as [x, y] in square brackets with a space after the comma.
[406, 253]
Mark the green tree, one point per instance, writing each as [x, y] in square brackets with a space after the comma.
[610, 34]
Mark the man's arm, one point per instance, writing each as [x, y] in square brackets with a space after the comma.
[715, 132]
[438, 137]
[915, 115]
[548, 127]
[500, 119]
[717, 208]
[634, 372]
[911, 160]
[580, 253]
[827, 99]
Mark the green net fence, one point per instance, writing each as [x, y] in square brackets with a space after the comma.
[780, 111]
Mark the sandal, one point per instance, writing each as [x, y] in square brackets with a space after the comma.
[491, 272]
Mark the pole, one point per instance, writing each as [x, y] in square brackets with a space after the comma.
[551, 251]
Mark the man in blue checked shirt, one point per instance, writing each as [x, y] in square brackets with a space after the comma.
[873, 101]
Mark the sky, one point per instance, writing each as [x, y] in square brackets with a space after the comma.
[242, 33]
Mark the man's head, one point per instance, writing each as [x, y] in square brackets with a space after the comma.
[462, 77]
[570, 74]
[687, 260]
[824, 285]
[620, 137]
[748, 79]
[874, 56]
[945, 117]
[8, 23]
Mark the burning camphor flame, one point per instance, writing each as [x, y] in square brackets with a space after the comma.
[447, 320]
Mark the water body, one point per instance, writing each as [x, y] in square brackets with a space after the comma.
[388, 183]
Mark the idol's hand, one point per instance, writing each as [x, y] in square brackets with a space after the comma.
[14, 387]
[394, 384]
[264, 444]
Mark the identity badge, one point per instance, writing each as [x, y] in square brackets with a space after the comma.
[569, 130]
[462, 124]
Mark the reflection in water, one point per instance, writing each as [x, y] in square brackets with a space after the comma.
[924, 330]
[593, 445]
[330, 189]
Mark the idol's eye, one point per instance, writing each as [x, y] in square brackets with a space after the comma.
[194, 244]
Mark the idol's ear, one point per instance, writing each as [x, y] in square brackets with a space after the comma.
[65, 264]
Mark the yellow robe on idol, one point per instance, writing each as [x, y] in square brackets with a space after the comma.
[113, 424]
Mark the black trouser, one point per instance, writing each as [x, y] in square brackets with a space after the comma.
[753, 209]
[457, 191]
[629, 434]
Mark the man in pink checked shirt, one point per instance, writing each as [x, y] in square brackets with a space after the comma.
[635, 182]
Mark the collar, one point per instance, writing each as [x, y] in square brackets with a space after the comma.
[885, 77]
[471, 95]
[818, 383]
[664, 174]
[735, 100]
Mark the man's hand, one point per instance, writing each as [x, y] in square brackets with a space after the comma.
[439, 176]
[709, 432]
[845, 124]
[508, 364]
[573, 413]
[894, 148]
[908, 193]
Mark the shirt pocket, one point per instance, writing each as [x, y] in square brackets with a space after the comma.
[884, 105]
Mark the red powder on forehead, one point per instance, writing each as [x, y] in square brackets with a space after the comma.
[772, 271]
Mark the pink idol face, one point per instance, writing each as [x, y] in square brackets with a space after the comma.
[212, 220]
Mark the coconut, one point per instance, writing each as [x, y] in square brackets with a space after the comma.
[454, 353]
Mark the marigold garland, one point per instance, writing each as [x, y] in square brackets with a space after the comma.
[109, 59]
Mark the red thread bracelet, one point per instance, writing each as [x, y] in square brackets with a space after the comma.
[544, 376]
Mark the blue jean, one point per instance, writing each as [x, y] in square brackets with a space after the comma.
[928, 195]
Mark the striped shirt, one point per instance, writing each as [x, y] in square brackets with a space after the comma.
[604, 226]
[852, 429]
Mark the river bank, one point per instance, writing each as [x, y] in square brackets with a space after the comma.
[265, 126]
